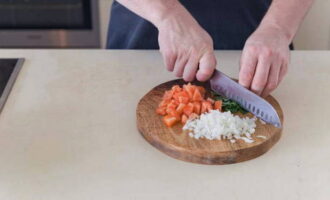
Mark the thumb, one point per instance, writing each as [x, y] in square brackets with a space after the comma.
[207, 65]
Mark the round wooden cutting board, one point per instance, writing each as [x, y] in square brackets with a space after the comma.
[178, 144]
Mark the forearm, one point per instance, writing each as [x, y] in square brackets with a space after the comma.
[155, 11]
[286, 15]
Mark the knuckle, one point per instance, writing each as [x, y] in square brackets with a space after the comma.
[188, 78]
[208, 40]
[201, 76]
[206, 69]
[256, 90]
[245, 81]
[247, 72]
[206, 44]
[203, 48]
[194, 51]
[169, 61]
[284, 58]
[182, 54]
[169, 55]
[253, 48]
[267, 52]
[169, 67]
[272, 85]
[177, 74]
[259, 84]
[248, 76]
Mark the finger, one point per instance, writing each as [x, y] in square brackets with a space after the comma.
[207, 65]
[190, 69]
[273, 78]
[169, 60]
[261, 75]
[283, 71]
[179, 66]
[248, 65]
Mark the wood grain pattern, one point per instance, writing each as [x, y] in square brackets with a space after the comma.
[178, 144]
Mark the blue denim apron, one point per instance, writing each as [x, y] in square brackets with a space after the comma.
[229, 22]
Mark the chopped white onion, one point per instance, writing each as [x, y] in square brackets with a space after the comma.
[221, 125]
[261, 136]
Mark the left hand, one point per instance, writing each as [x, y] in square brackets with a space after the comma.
[264, 60]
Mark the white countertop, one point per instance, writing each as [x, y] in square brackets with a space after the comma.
[68, 132]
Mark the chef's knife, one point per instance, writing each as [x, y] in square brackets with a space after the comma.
[225, 86]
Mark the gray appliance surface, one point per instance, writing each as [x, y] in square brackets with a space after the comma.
[9, 69]
[69, 37]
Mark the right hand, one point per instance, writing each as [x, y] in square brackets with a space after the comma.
[187, 49]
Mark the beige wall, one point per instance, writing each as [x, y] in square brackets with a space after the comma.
[315, 30]
[313, 34]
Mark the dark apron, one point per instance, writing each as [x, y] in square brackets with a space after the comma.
[229, 22]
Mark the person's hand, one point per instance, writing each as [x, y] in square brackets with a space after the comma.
[186, 48]
[264, 60]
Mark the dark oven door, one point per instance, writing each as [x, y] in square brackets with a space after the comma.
[49, 23]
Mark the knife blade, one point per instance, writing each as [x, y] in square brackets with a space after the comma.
[225, 86]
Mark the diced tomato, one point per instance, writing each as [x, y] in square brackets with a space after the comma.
[206, 106]
[217, 105]
[161, 110]
[203, 108]
[176, 97]
[172, 104]
[180, 108]
[170, 109]
[197, 107]
[183, 103]
[189, 89]
[188, 109]
[164, 103]
[169, 120]
[184, 119]
[210, 100]
[176, 88]
[197, 96]
[175, 114]
[201, 90]
[168, 95]
[181, 97]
